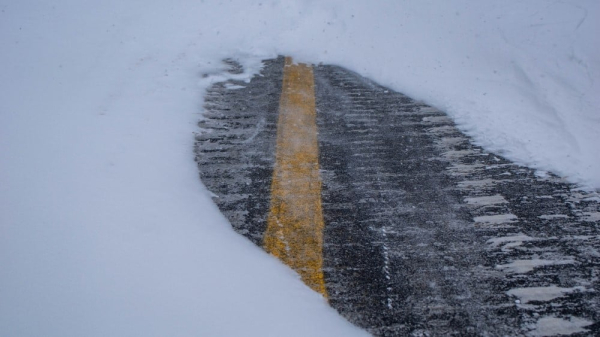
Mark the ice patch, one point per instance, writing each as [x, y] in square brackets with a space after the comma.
[591, 216]
[232, 86]
[552, 326]
[495, 219]
[582, 237]
[437, 119]
[541, 294]
[457, 154]
[428, 109]
[486, 200]
[451, 141]
[440, 130]
[509, 242]
[577, 197]
[476, 183]
[553, 216]
[464, 169]
[525, 266]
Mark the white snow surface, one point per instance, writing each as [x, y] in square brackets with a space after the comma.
[105, 228]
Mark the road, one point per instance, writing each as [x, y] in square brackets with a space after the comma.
[424, 233]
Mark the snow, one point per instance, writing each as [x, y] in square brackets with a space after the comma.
[520, 77]
[525, 266]
[541, 294]
[486, 200]
[477, 183]
[591, 216]
[553, 216]
[495, 219]
[554, 326]
[105, 227]
[510, 242]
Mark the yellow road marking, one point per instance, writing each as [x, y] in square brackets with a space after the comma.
[294, 231]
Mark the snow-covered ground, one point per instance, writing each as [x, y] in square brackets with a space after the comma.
[105, 228]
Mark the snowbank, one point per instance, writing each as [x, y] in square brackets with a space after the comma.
[520, 77]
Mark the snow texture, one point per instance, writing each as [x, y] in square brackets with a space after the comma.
[554, 326]
[510, 242]
[105, 227]
[541, 294]
[525, 266]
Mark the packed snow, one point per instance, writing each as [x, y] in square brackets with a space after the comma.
[554, 326]
[541, 294]
[105, 226]
[510, 242]
[525, 266]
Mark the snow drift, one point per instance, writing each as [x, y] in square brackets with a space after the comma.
[106, 229]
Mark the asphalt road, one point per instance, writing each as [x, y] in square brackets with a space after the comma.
[425, 233]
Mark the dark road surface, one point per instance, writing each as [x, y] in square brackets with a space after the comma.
[425, 233]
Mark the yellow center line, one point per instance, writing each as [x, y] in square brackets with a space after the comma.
[294, 231]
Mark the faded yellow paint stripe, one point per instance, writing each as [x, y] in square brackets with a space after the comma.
[294, 231]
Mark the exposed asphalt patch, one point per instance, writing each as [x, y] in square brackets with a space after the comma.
[425, 233]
